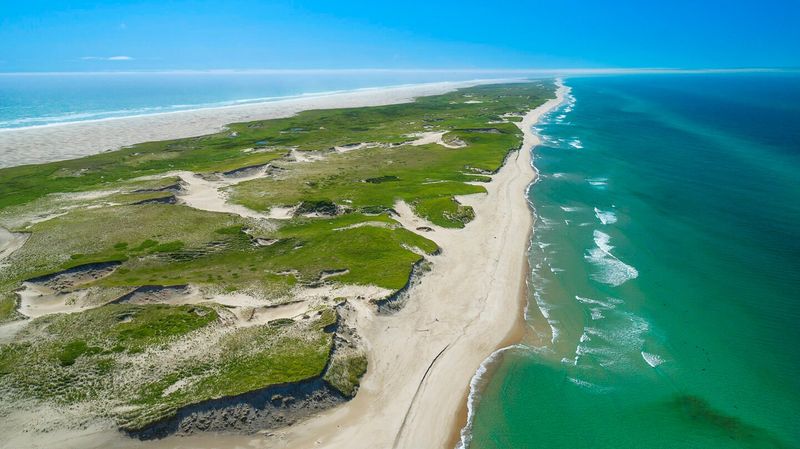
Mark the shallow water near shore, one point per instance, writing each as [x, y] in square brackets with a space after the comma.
[44, 99]
[665, 281]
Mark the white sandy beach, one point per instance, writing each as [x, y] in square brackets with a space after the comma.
[72, 140]
[422, 358]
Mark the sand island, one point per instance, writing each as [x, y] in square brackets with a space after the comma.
[334, 276]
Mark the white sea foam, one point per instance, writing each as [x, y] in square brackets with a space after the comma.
[576, 143]
[570, 209]
[608, 268]
[545, 223]
[614, 343]
[605, 217]
[597, 313]
[474, 394]
[598, 183]
[581, 383]
[544, 308]
[652, 359]
[610, 303]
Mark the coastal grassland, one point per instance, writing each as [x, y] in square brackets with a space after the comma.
[302, 251]
[345, 372]
[140, 364]
[341, 171]
[117, 234]
[8, 307]
[467, 113]
[20, 217]
[162, 244]
[217, 152]
[426, 176]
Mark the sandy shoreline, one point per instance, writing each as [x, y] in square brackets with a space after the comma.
[422, 358]
[73, 140]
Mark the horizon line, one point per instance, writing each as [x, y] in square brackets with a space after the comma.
[543, 71]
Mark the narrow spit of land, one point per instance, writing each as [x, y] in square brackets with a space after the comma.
[271, 265]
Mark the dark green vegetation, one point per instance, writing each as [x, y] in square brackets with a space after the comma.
[139, 363]
[8, 305]
[155, 359]
[426, 176]
[345, 372]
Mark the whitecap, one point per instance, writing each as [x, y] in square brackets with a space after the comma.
[582, 383]
[585, 337]
[599, 183]
[652, 359]
[605, 217]
[576, 143]
[472, 398]
[608, 268]
[610, 303]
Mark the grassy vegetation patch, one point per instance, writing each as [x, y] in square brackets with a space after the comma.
[98, 357]
[346, 371]
[372, 255]
[64, 358]
[140, 363]
[444, 211]
[118, 233]
[8, 306]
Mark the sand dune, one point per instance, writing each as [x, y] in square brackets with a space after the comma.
[421, 358]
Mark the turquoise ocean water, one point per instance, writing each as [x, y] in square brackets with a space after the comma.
[665, 271]
[42, 99]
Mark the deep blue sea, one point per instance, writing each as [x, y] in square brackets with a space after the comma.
[665, 284]
[41, 99]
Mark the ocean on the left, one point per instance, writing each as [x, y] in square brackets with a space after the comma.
[35, 99]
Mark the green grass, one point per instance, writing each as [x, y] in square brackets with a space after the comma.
[19, 185]
[64, 358]
[8, 307]
[373, 255]
[119, 233]
[444, 211]
[345, 372]
[87, 356]
[377, 177]
[152, 360]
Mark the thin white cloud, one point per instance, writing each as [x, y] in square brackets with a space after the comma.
[110, 58]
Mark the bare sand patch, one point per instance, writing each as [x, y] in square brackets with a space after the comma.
[431, 137]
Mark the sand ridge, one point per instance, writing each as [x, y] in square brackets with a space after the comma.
[421, 358]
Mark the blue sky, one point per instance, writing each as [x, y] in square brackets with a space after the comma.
[77, 35]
